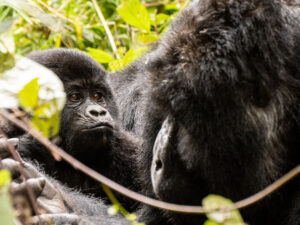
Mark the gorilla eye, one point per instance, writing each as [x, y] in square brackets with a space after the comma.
[97, 96]
[74, 97]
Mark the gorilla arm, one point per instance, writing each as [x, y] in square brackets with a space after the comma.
[58, 204]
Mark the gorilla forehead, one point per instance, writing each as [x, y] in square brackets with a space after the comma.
[69, 64]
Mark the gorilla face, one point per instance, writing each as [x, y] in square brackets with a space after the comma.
[86, 116]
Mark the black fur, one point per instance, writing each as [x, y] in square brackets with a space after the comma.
[108, 150]
[227, 76]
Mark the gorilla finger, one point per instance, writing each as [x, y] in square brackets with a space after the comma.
[12, 166]
[31, 171]
[4, 146]
[35, 184]
[57, 219]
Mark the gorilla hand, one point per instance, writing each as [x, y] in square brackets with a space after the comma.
[49, 198]
[4, 146]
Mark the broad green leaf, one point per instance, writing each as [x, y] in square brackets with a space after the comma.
[29, 95]
[149, 38]
[217, 203]
[100, 56]
[130, 56]
[5, 177]
[210, 222]
[7, 216]
[7, 61]
[58, 41]
[172, 7]
[135, 14]
[49, 126]
[78, 29]
[162, 18]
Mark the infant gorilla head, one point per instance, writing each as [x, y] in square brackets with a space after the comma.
[89, 117]
[89, 127]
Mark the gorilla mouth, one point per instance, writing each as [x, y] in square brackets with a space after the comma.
[99, 127]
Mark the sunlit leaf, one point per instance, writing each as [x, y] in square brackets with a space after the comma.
[135, 14]
[29, 95]
[148, 38]
[58, 41]
[6, 211]
[49, 126]
[219, 203]
[161, 18]
[130, 56]
[78, 29]
[7, 61]
[5, 177]
[100, 56]
[210, 222]
[172, 6]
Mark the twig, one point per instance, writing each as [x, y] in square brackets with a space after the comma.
[17, 157]
[139, 197]
[107, 30]
[55, 12]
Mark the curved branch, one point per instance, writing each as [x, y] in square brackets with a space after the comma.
[139, 197]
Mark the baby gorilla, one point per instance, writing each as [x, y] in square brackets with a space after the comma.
[89, 128]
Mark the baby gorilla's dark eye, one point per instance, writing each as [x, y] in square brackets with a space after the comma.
[74, 97]
[97, 96]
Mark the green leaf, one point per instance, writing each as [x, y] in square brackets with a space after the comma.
[7, 61]
[49, 126]
[100, 56]
[217, 203]
[210, 222]
[130, 56]
[5, 177]
[148, 38]
[6, 211]
[29, 95]
[162, 18]
[135, 14]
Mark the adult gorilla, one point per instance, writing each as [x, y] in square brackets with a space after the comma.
[217, 103]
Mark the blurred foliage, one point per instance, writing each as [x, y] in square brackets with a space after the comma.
[134, 24]
[7, 215]
[220, 216]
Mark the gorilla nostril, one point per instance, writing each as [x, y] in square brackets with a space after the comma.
[94, 113]
[158, 165]
[102, 113]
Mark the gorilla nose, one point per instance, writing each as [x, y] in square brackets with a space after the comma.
[95, 111]
[158, 165]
